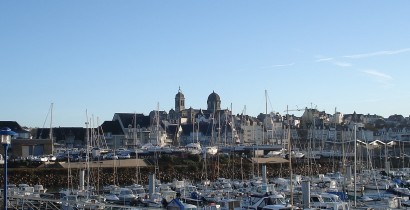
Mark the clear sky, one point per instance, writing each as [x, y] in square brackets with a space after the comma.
[103, 57]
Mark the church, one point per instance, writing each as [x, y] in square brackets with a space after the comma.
[182, 115]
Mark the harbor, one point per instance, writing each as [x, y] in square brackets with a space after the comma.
[205, 105]
[194, 159]
[202, 185]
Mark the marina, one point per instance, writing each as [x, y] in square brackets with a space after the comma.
[205, 105]
[265, 189]
[210, 159]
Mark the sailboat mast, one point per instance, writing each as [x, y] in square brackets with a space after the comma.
[226, 127]
[156, 171]
[213, 126]
[219, 142]
[355, 163]
[51, 128]
[135, 148]
[266, 115]
[87, 156]
[212, 143]
[290, 156]
[233, 143]
[233, 127]
[266, 102]
[134, 131]
[87, 150]
[157, 124]
[343, 145]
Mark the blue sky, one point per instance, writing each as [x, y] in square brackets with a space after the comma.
[103, 57]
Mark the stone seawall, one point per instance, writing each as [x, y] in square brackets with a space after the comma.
[56, 178]
[56, 175]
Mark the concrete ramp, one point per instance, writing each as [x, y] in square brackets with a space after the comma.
[124, 163]
[270, 160]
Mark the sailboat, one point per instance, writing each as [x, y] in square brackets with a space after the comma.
[194, 148]
[1, 159]
[212, 149]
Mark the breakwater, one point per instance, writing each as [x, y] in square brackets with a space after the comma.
[193, 169]
[61, 178]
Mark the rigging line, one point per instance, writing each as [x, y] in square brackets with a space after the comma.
[98, 135]
[270, 103]
[103, 136]
[93, 139]
[45, 120]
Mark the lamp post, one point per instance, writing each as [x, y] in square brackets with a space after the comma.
[6, 134]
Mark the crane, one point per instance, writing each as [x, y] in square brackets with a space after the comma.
[294, 110]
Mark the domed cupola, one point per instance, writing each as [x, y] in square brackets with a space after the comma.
[214, 102]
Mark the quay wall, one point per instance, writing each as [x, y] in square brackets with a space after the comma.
[53, 177]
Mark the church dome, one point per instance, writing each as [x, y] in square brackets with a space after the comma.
[214, 102]
[213, 97]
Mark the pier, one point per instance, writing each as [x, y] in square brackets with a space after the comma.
[44, 203]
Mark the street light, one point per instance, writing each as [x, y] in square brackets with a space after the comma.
[6, 134]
